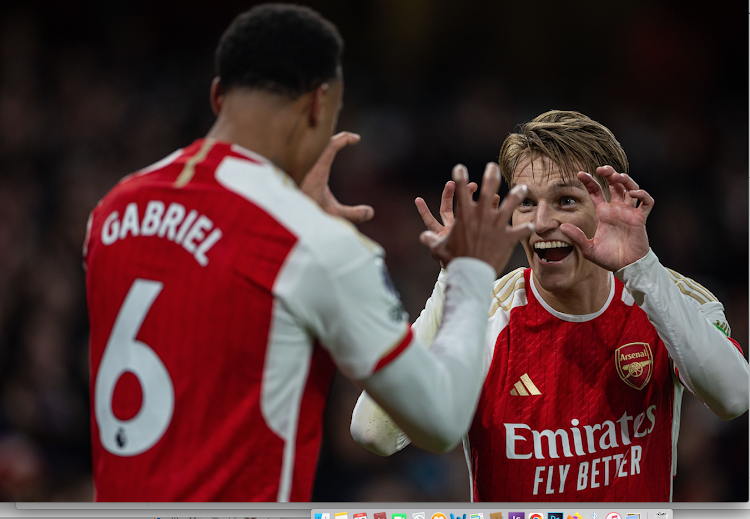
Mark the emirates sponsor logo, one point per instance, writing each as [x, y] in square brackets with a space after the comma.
[613, 441]
[634, 364]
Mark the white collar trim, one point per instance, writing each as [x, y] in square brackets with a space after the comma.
[570, 317]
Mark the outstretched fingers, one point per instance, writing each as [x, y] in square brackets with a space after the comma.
[620, 184]
[463, 196]
[429, 221]
[490, 185]
[338, 141]
[512, 200]
[626, 180]
[593, 187]
[446, 201]
[647, 202]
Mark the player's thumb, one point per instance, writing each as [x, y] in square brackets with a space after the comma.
[357, 214]
[576, 235]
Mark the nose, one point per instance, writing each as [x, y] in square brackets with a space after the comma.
[544, 219]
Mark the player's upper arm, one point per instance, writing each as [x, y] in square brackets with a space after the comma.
[337, 284]
[706, 303]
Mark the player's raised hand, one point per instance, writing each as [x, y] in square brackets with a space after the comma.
[479, 229]
[620, 237]
[315, 183]
[446, 211]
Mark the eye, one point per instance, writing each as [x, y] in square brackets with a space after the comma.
[526, 203]
[567, 201]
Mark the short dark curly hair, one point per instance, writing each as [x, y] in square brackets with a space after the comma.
[281, 48]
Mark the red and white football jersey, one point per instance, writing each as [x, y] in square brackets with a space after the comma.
[220, 297]
[574, 408]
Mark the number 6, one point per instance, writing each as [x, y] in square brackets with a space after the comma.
[124, 353]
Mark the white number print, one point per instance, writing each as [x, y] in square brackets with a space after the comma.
[124, 353]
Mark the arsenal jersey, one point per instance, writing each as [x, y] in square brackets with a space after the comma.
[574, 408]
[220, 297]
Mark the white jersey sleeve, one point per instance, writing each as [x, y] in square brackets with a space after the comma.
[337, 286]
[371, 427]
[428, 322]
[333, 286]
[433, 394]
[338, 289]
[692, 325]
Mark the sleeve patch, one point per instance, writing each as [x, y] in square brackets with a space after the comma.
[722, 327]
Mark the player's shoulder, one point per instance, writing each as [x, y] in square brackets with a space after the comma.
[138, 180]
[508, 291]
[329, 240]
[702, 298]
[692, 288]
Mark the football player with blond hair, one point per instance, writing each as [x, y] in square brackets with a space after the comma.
[588, 351]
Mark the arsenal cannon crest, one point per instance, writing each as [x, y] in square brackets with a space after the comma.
[634, 363]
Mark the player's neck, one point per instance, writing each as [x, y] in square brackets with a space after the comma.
[586, 297]
[264, 123]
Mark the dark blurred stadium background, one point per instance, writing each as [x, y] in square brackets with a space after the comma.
[90, 91]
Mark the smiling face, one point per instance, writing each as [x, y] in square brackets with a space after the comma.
[553, 199]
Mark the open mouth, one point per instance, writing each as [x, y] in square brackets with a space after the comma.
[552, 251]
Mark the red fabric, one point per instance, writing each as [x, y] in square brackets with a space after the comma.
[736, 345]
[395, 352]
[209, 325]
[573, 365]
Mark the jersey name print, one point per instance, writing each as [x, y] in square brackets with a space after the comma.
[209, 285]
[184, 228]
[574, 408]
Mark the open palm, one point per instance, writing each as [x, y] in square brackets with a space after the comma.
[620, 237]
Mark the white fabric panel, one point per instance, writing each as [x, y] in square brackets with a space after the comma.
[676, 412]
[710, 366]
[433, 394]
[285, 373]
[334, 280]
[426, 326]
[371, 427]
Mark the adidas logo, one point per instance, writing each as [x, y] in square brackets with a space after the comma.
[525, 387]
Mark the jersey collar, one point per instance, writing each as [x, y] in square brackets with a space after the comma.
[570, 317]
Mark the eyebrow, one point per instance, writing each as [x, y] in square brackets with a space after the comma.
[563, 185]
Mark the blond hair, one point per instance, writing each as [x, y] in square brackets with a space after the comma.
[570, 140]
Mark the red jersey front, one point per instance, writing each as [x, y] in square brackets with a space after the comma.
[218, 296]
[574, 408]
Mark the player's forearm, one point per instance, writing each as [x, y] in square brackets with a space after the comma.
[710, 366]
[432, 394]
[371, 427]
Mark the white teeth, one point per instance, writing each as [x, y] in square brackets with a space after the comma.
[550, 244]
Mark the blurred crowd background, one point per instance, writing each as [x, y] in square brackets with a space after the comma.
[90, 91]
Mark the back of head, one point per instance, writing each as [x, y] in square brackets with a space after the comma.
[570, 140]
[280, 48]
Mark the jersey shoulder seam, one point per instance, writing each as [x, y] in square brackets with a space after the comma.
[505, 289]
[692, 288]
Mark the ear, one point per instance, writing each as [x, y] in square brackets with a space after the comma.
[217, 96]
[318, 104]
